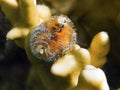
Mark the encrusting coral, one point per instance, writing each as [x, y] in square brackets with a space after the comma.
[71, 71]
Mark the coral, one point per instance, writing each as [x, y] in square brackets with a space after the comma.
[72, 64]
[24, 16]
[71, 71]
[92, 78]
[100, 43]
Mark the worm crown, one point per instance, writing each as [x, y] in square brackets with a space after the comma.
[52, 38]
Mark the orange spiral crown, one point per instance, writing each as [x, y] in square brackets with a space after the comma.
[52, 38]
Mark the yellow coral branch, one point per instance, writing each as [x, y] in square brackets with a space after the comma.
[99, 48]
[75, 61]
[92, 78]
[24, 15]
[10, 8]
[28, 12]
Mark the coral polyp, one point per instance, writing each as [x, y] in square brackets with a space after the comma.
[52, 38]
